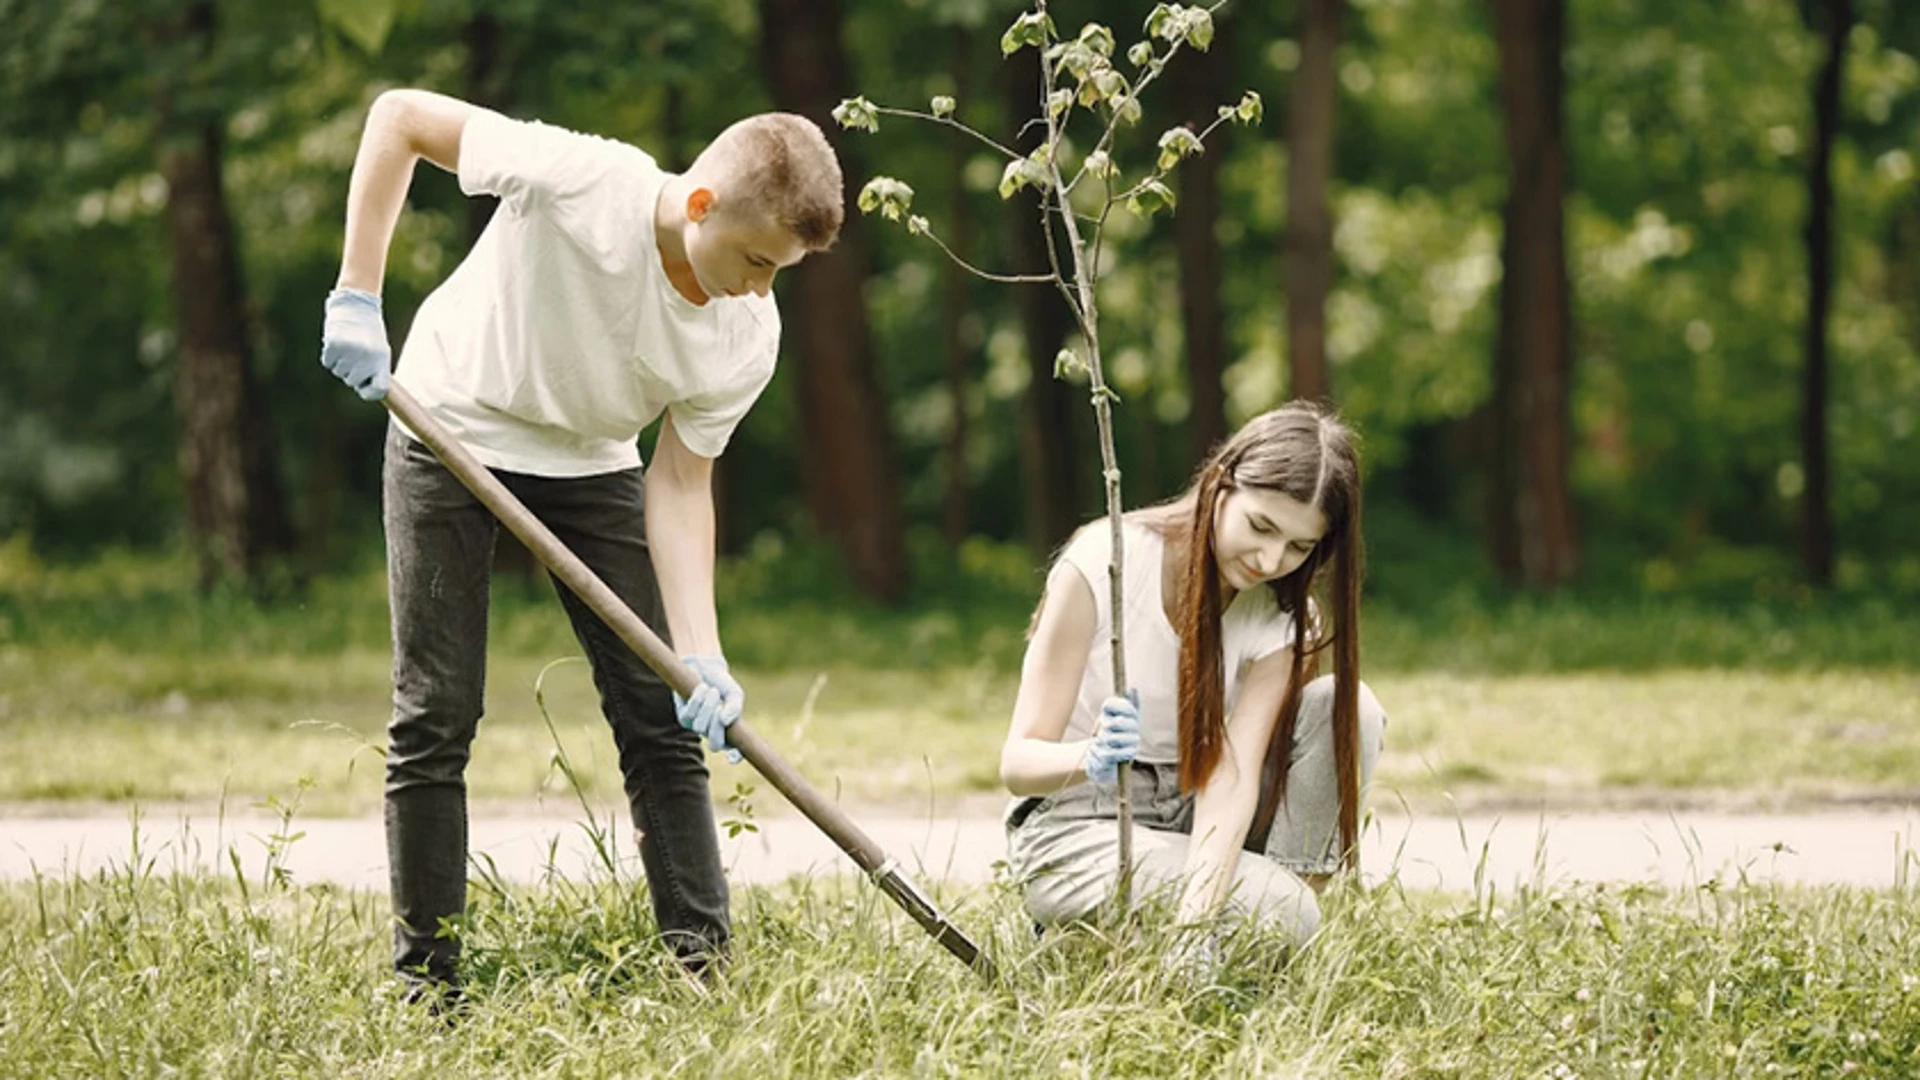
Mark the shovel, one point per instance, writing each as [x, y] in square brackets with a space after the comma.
[884, 870]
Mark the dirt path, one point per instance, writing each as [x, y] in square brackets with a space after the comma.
[1871, 848]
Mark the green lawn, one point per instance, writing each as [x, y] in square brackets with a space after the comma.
[90, 724]
[118, 683]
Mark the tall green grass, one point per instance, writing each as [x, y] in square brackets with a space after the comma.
[137, 972]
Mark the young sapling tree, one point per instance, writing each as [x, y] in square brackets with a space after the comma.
[1080, 84]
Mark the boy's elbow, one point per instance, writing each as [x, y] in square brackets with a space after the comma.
[390, 108]
[423, 123]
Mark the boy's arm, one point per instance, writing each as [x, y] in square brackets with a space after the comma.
[402, 127]
[680, 534]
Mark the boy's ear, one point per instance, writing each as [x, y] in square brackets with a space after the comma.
[699, 204]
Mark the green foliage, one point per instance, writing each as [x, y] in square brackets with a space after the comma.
[1031, 29]
[887, 195]
[857, 114]
[1688, 126]
[366, 22]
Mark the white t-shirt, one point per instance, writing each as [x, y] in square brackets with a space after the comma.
[559, 337]
[1252, 627]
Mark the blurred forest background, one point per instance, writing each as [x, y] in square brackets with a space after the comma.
[1624, 297]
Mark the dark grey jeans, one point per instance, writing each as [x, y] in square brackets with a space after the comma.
[439, 553]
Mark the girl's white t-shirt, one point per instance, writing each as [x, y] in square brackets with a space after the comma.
[1252, 627]
[559, 337]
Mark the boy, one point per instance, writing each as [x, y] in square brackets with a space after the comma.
[604, 293]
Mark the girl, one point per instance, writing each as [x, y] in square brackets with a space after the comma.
[1232, 747]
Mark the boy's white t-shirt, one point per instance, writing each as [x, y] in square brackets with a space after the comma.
[559, 338]
[1252, 627]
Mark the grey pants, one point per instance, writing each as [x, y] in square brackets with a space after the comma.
[439, 555]
[1066, 851]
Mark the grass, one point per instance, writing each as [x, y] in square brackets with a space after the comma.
[141, 972]
[118, 683]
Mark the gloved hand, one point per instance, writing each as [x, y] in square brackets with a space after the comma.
[1196, 956]
[1116, 740]
[353, 343]
[716, 703]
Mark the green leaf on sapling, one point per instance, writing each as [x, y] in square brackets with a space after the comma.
[1031, 28]
[1098, 38]
[1199, 28]
[857, 112]
[1150, 198]
[889, 196]
[1175, 144]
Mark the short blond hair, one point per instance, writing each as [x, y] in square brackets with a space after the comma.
[780, 165]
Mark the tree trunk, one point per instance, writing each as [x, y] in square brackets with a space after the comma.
[953, 317]
[848, 457]
[1199, 87]
[1049, 415]
[1308, 243]
[1533, 364]
[227, 462]
[1816, 520]
[228, 467]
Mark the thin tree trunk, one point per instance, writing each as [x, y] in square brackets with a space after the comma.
[227, 462]
[1902, 244]
[848, 457]
[1504, 468]
[1199, 84]
[1048, 416]
[1534, 361]
[1816, 521]
[953, 317]
[228, 466]
[1308, 243]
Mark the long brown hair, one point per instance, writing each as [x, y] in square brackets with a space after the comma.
[1303, 450]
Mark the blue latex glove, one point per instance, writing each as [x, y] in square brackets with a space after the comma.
[716, 703]
[1117, 740]
[353, 343]
[1196, 957]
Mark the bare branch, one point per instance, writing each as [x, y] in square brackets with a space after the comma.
[1074, 299]
[1009, 279]
[1100, 225]
[915, 114]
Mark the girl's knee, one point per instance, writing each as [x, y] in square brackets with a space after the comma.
[1316, 708]
[1285, 902]
[1373, 721]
